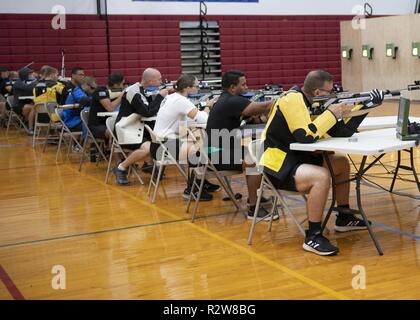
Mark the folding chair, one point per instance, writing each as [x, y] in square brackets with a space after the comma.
[267, 189]
[166, 158]
[40, 109]
[66, 132]
[19, 123]
[205, 170]
[99, 142]
[115, 146]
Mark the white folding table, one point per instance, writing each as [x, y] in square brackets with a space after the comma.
[367, 143]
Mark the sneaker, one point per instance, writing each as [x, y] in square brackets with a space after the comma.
[30, 133]
[205, 196]
[349, 223]
[319, 245]
[262, 214]
[238, 196]
[211, 187]
[76, 149]
[121, 176]
[264, 202]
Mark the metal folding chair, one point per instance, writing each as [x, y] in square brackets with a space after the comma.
[66, 132]
[267, 189]
[13, 116]
[98, 142]
[41, 109]
[165, 159]
[206, 170]
[116, 147]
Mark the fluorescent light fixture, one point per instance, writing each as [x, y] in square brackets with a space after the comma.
[415, 51]
[346, 52]
[367, 51]
[391, 50]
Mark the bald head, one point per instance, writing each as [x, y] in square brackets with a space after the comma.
[151, 77]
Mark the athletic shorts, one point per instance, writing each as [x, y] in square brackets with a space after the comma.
[289, 182]
[98, 131]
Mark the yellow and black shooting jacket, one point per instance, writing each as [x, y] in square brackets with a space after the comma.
[289, 121]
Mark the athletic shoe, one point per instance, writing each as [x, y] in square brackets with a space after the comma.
[210, 187]
[76, 149]
[121, 175]
[264, 202]
[319, 245]
[205, 196]
[262, 213]
[30, 133]
[349, 223]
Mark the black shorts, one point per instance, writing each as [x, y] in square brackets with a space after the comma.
[173, 146]
[77, 128]
[98, 131]
[289, 182]
[233, 164]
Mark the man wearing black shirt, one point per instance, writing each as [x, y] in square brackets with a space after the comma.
[224, 134]
[21, 88]
[136, 99]
[101, 102]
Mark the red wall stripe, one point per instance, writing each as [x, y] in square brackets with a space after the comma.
[270, 49]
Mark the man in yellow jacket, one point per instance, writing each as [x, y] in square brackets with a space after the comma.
[48, 89]
[290, 121]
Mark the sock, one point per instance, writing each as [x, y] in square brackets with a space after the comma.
[120, 167]
[314, 227]
[341, 215]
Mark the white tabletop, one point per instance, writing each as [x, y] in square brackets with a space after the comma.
[108, 114]
[370, 123]
[363, 143]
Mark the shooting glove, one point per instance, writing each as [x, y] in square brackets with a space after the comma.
[376, 98]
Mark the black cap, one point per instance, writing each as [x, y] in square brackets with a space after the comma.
[24, 73]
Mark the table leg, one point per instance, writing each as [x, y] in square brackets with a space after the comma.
[413, 168]
[333, 191]
[396, 171]
[359, 176]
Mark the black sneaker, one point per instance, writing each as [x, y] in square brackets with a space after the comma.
[318, 244]
[211, 187]
[262, 213]
[205, 196]
[121, 175]
[349, 223]
[264, 202]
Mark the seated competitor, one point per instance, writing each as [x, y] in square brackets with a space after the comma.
[48, 89]
[137, 100]
[289, 121]
[174, 112]
[223, 132]
[80, 97]
[21, 88]
[102, 102]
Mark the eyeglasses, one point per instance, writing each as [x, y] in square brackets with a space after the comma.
[80, 74]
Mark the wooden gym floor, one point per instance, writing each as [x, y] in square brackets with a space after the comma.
[114, 244]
